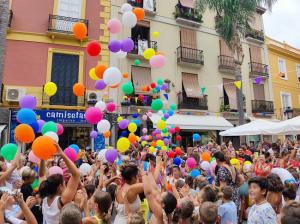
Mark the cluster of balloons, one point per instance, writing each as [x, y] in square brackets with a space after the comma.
[73, 152]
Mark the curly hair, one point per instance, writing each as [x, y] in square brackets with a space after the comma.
[129, 170]
[274, 183]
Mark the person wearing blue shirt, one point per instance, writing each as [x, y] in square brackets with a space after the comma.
[227, 211]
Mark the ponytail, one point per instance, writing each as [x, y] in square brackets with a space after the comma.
[50, 186]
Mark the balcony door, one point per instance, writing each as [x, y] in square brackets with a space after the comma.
[256, 59]
[259, 92]
[65, 70]
[188, 43]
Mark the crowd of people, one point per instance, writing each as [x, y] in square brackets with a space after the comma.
[255, 185]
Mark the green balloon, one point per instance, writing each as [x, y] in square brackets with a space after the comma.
[49, 126]
[35, 184]
[173, 106]
[9, 151]
[127, 88]
[165, 130]
[154, 91]
[160, 82]
[157, 105]
[137, 62]
[164, 119]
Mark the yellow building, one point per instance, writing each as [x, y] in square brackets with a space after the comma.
[284, 63]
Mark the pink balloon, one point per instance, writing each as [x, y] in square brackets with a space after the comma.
[60, 129]
[93, 115]
[144, 117]
[32, 158]
[71, 154]
[55, 170]
[145, 130]
[114, 26]
[191, 163]
[111, 107]
[158, 61]
[172, 131]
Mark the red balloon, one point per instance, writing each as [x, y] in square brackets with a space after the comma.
[93, 48]
[178, 151]
[171, 154]
[177, 129]
[153, 85]
[178, 138]
[141, 97]
[148, 88]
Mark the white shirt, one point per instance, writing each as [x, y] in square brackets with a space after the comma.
[50, 213]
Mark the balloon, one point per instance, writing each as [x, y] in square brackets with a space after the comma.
[177, 161]
[101, 155]
[152, 149]
[171, 154]
[127, 45]
[125, 75]
[103, 126]
[111, 107]
[132, 127]
[85, 169]
[112, 76]
[55, 170]
[127, 88]
[235, 162]
[177, 129]
[33, 158]
[161, 125]
[101, 105]
[196, 137]
[41, 123]
[43, 147]
[178, 138]
[195, 173]
[93, 48]
[178, 151]
[99, 71]
[106, 134]
[100, 84]
[160, 143]
[114, 26]
[191, 163]
[126, 8]
[158, 61]
[153, 85]
[157, 105]
[52, 135]
[166, 116]
[24, 133]
[50, 88]
[205, 156]
[137, 62]
[132, 138]
[75, 147]
[129, 19]
[173, 106]
[155, 34]
[170, 112]
[35, 184]
[49, 126]
[28, 102]
[119, 119]
[144, 130]
[149, 53]
[92, 74]
[139, 13]
[26, 116]
[93, 134]
[247, 162]
[205, 165]
[71, 154]
[135, 115]
[79, 30]
[78, 89]
[123, 145]
[9, 151]
[166, 141]
[35, 127]
[60, 129]
[160, 82]
[123, 124]
[144, 117]
[93, 115]
[114, 46]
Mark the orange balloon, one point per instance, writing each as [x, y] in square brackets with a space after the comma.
[80, 30]
[169, 187]
[79, 155]
[205, 156]
[78, 89]
[153, 143]
[149, 137]
[132, 138]
[24, 133]
[139, 13]
[43, 147]
[99, 70]
[125, 75]
[106, 134]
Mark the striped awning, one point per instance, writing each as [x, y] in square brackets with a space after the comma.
[141, 76]
[231, 93]
[188, 3]
[191, 85]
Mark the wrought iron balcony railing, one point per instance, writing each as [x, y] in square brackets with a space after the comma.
[226, 63]
[148, 5]
[187, 13]
[258, 69]
[262, 106]
[190, 55]
[140, 46]
[192, 103]
[63, 24]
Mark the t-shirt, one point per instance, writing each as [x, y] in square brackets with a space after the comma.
[228, 213]
[26, 190]
[262, 214]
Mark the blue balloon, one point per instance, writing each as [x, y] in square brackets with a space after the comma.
[195, 173]
[135, 115]
[26, 116]
[75, 147]
[35, 127]
[196, 137]
[157, 88]
[137, 122]
[124, 133]
[177, 161]
[171, 112]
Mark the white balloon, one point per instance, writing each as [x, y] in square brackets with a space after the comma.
[126, 7]
[103, 126]
[160, 113]
[112, 76]
[85, 169]
[52, 135]
[129, 19]
[121, 54]
[205, 165]
[101, 155]
[101, 105]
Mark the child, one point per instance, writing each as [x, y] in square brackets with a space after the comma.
[28, 176]
[261, 212]
[290, 214]
[70, 214]
[208, 213]
[227, 210]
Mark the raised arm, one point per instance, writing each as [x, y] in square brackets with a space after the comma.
[29, 217]
[5, 175]
[133, 191]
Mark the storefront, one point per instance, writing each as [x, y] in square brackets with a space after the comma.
[76, 129]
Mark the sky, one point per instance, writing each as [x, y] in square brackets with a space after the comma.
[283, 23]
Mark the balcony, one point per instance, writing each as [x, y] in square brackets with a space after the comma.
[187, 16]
[255, 36]
[192, 103]
[190, 57]
[227, 64]
[11, 15]
[258, 69]
[148, 5]
[63, 25]
[262, 106]
[140, 46]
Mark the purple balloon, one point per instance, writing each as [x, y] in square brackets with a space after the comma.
[166, 115]
[28, 101]
[166, 141]
[123, 124]
[111, 155]
[114, 46]
[164, 86]
[143, 138]
[41, 123]
[158, 131]
[100, 84]
[127, 45]
[93, 134]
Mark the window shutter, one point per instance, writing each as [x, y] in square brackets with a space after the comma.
[255, 54]
[224, 49]
[188, 38]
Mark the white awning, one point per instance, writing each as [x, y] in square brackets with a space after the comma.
[287, 127]
[195, 122]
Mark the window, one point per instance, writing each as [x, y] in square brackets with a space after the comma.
[286, 101]
[140, 34]
[282, 68]
[298, 72]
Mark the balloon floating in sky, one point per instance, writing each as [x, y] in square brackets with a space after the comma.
[79, 31]
[93, 48]
[114, 26]
[50, 88]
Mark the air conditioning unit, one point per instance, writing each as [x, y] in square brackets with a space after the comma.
[93, 96]
[13, 94]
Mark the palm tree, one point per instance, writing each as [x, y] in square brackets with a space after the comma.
[4, 18]
[232, 23]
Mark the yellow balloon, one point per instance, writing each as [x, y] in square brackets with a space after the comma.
[149, 53]
[50, 88]
[123, 145]
[155, 34]
[132, 127]
[161, 124]
[235, 162]
[152, 149]
[138, 138]
[164, 148]
[93, 75]
[247, 163]
[120, 119]
[144, 143]
[160, 143]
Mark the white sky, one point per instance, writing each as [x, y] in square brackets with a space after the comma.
[283, 23]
